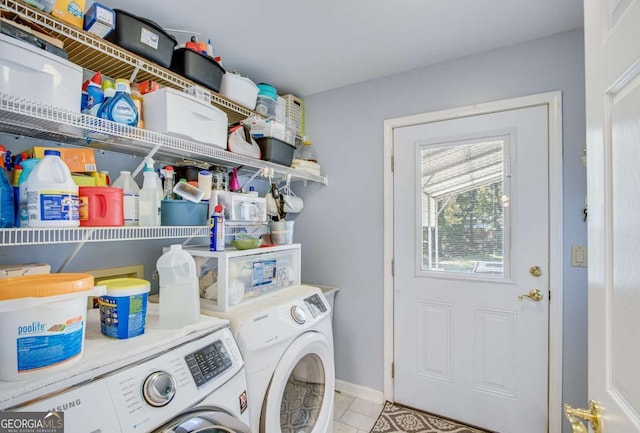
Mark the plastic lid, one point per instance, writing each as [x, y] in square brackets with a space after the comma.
[126, 286]
[40, 286]
[108, 84]
[219, 208]
[97, 78]
[205, 173]
[176, 247]
[168, 167]
[122, 81]
[51, 152]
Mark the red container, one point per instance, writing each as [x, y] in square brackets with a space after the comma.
[100, 206]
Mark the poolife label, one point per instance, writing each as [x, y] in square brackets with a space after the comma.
[58, 206]
[41, 345]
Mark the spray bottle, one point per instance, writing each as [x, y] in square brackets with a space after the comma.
[217, 229]
[150, 196]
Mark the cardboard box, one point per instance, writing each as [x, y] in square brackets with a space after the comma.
[9, 271]
[99, 20]
[267, 128]
[78, 159]
[71, 11]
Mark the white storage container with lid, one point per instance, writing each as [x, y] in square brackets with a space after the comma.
[239, 89]
[42, 318]
[39, 76]
[237, 277]
[171, 112]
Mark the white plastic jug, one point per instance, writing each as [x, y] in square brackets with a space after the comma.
[131, 197]
[179, 290]
[52, 195]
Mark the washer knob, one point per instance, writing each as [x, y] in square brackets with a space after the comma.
[159, 388]
[298, 314]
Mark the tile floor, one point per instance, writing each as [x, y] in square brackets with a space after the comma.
[354, 415]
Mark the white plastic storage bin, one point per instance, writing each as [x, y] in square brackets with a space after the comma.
[169, 111]
[233, 277]
[240, 207]
[36, 75]
[239, 89]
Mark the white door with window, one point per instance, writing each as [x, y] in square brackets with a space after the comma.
[471, 268]
[612, 35]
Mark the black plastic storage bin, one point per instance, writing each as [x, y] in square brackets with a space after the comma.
[143, 37]
[197, 67]
[275, 150]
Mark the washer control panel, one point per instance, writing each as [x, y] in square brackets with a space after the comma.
[208, 362]
[315, 305]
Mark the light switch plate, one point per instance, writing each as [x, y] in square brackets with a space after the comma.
[579, 256]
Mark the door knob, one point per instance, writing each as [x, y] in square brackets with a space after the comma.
[592, 415]
[534, 295]
[536, 271]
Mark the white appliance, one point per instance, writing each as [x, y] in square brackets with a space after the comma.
[286, 340]
[185, 380]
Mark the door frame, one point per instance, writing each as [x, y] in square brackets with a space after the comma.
[553, 101]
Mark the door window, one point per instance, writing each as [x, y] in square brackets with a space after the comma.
[464, 198]
[303, 396]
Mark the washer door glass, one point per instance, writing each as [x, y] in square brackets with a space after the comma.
[303, 395]
[300, 396]
[204, 420]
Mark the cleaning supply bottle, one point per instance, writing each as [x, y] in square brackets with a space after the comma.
[7, 205]
[121, 108]
[179, 289]
[52, 195]
[168, 182]
[95, 95]
[136, 96]
[305, 151]
[217, 229]
[109, 92]
[150, 196]
[22, 213]
[131, 197]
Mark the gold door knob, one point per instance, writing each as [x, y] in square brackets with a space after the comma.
[534, 295]
[592, 415]
[536, 271]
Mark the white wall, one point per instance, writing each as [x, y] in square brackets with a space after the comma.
[341, 227]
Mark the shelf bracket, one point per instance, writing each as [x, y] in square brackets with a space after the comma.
[76, 250]
[151, 153]
[251, 178]
[134, 74]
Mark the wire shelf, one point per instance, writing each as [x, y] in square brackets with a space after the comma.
[96, 54]
[22, 117]
[47, 236]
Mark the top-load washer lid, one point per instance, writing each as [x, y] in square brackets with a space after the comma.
[205, 420]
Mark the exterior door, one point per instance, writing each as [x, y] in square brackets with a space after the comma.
[612, 32]
[471, 266]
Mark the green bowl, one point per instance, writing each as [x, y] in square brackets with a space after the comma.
[247, 243]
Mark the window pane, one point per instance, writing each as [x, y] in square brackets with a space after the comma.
[462, 202]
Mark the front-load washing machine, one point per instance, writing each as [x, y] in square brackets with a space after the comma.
[286, 340]
[186, 380]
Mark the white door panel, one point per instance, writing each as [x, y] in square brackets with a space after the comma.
[612, 32]
[465, 346]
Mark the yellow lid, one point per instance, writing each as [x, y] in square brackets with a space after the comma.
[40, 286]
[124, 283]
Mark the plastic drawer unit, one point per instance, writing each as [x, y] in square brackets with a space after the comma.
[236, 277]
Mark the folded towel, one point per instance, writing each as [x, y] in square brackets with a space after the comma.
[314, 171]
[305, 163]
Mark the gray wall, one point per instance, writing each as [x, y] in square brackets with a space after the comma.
[341, 227]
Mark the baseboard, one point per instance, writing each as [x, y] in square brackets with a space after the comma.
[360, 391]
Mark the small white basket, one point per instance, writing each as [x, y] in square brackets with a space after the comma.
[294, 112]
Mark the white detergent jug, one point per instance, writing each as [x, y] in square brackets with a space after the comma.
[52, 195]
[179, 290]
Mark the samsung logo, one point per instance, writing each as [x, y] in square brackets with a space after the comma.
[67, 406]
[264, 316]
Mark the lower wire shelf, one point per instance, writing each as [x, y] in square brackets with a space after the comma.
[49, 236]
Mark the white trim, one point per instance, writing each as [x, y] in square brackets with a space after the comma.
[554, 102]
[360, 391]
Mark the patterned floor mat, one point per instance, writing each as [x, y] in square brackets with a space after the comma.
[399, 419]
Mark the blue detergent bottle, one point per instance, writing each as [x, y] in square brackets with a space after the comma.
[7, 206]
[120, 108]
[109, 91]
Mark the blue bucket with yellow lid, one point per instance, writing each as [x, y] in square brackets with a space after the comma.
[123, 310]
